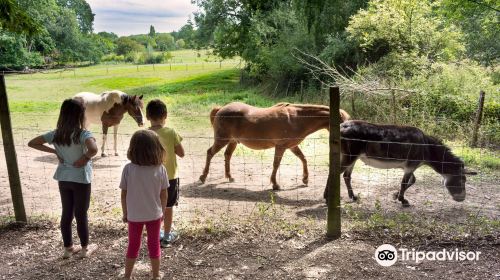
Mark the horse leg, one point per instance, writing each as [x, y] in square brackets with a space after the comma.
[216, 147]
[278, 155]
[296, 151]
[346, 166]
[408, 181]
[115, 136]
[104, 136]
[347, 180]
[227, 159]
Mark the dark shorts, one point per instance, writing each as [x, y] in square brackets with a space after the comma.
[173, 192]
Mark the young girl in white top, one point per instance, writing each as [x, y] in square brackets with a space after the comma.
[74, 146]
[144, 186]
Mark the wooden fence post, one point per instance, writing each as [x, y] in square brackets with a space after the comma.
[10, 155]
[333, 183]
[479, 116]
[393, 101]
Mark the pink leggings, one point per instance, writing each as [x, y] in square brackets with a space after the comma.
[135, 237]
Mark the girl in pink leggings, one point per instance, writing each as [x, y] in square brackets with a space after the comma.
[144, 186]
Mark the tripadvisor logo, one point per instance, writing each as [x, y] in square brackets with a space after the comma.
[387, 255]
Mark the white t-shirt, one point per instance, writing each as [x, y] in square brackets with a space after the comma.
[143, 185]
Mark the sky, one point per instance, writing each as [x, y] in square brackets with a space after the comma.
[126, 17]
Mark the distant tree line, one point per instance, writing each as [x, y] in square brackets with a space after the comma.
[42, 33]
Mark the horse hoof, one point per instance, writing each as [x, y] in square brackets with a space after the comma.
[203, 178]
[276, 187]
[116, 154]
[231, 180]
[354, 197]
[305, 181]
[405, 203]
[103, 155]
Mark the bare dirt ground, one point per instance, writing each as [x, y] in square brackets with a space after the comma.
[242, 230]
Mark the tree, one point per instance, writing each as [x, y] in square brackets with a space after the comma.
[152, 32]
[165, 42]
[125, 45]
[83, 12]
[180, 44]
[479, 21]
[326, 18]
[187, 33]
[14, 19]
[108, 35]
[66, 35]
[406, 28]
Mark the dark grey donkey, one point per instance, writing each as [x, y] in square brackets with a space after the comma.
[405, 147]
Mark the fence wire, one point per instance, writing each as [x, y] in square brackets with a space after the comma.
[251, 171]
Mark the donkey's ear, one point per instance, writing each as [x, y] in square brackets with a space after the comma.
[469, 172]
[140, 97]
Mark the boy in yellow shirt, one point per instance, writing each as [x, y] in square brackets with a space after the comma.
[156, 113]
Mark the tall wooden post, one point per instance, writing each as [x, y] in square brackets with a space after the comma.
[333, 184]
[479, 116]
[10, 155]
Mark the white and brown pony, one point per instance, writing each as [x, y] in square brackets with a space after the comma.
[108, 109]
[405, 147]
[282, 126]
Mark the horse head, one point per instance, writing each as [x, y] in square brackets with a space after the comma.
[134, 105]
[455, 182]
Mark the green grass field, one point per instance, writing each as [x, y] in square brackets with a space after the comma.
[190, 95]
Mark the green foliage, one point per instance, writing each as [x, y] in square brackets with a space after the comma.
[480, 24]
[180, 44]
[64, 34]
[126, 46]
[83, 13]
[14, 19]
[108, 35]
[13, 55]
[152, 32]
[165, 42]
[326, 18]
[405, 29]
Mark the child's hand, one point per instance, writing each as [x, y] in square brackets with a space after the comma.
[81, 162]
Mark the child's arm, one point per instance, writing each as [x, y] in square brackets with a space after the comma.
[124, 206]
[91, 151]
[163, 199]
[38, 144]
[179, 150]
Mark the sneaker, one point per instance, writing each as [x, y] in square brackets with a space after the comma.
[162, 234]
[87, 251]
[68, 253]
[169, 238]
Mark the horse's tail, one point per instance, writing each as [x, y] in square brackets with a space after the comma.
[212, 114]
[344, 116]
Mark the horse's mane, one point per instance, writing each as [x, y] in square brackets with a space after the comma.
[438, 148]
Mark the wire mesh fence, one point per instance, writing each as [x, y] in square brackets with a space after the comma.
[251, 170]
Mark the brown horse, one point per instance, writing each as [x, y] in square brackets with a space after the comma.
[108, 109]
[282, 126]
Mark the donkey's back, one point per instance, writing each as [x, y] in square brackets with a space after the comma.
[384, 146]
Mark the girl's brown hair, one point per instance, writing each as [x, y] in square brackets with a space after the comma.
[70, 122]
[145, 149]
